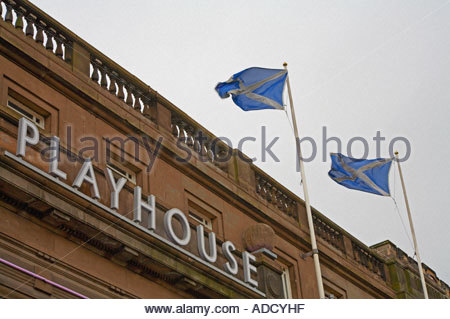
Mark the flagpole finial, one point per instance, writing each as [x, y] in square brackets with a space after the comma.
[396, 153]
[285, 64]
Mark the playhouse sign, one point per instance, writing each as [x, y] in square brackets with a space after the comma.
[28, 134]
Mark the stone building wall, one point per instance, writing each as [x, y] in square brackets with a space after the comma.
[57, 241]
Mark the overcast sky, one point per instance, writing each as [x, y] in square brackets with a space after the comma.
[356, 67]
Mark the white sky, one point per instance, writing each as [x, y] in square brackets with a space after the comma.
[355, 67]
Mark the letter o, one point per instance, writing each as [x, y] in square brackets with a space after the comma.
[363, 141]
[178, 214]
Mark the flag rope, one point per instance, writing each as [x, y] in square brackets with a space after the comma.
[403, 224]
[289, 119]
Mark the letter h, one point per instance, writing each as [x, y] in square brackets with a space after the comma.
[148, 206]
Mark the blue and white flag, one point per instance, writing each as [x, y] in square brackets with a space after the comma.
[370, 176]
[255, 89]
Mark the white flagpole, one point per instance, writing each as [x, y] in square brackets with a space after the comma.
[315, 251]
[416, 248]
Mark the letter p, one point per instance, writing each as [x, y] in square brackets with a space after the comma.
[25, 127]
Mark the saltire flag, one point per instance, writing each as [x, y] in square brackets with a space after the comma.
[371, 176]
[255, 88]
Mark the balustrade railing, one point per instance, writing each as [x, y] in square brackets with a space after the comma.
[369, 260]
[361, 254]
[208, 147]
[135, 95]
[24, 16]
[329, 233]
[275, 196]
[36, 26]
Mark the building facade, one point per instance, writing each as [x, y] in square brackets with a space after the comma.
[108, 190]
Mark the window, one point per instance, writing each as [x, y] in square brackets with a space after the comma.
[202, 212]
[201, 220]
[25, 111]
[122, 172]
[286, 279]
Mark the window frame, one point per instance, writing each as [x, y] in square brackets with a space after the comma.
[26, 111]
[286, 280]
[122, 171]
[205, 221]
